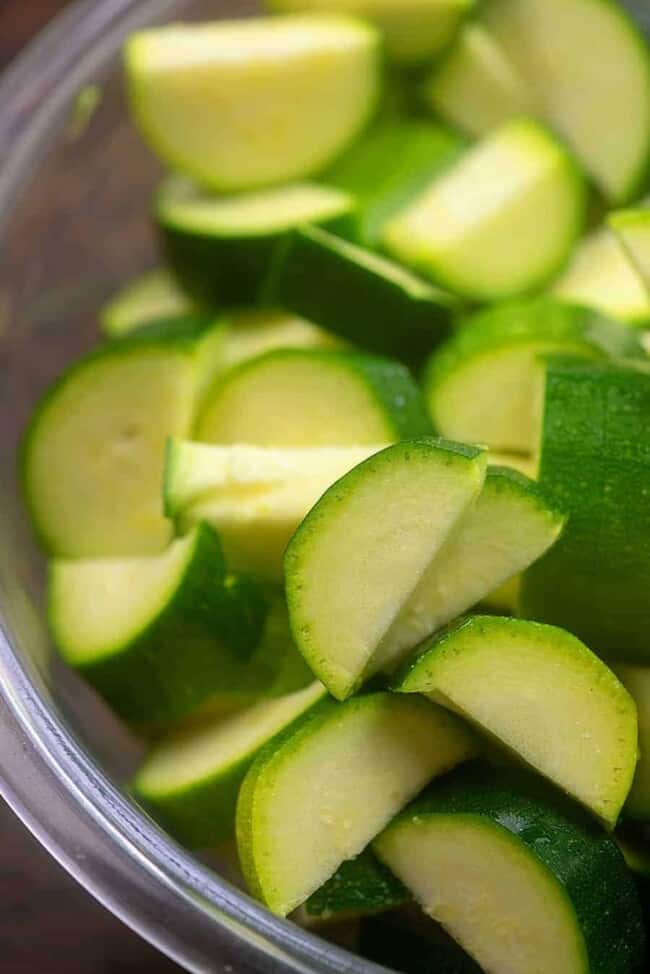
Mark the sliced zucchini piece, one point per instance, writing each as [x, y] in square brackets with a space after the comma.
[152, 297]
[521, 882]
[321, 792]
[509, 527]
[92, 456]
[347, 581]
[220, 247]
[242, 104]
[636, 680]
[154, 634]
[359, 887]
[414, 31]
[391, 164]
[314, 397]
[250, 333]
[599, 104]
[255, 497]
[386, 309]
[483, 384]
[540, 692]
[460, 230]
[594, 464]
[632, 227]
[191, 778]
[476, 87]
[600, 275]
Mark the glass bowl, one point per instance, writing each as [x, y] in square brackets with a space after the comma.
[74, 194]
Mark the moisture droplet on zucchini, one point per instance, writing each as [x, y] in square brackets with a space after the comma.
[359, 887]
[152, 297]
[525, 884]
[476, 87]
[155, 635]
[191, 778]
[636, 680]
[361, 551]
[220, 247]
[509, 527]
[314, 397]
[255, 497]
[317, 795]
[242, 104]
[540, 692]
[386, 309]
[518, 184]
[483, 385]
[632, 227]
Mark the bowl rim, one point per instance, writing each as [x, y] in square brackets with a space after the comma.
[55, 787]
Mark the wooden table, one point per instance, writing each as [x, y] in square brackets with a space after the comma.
[48, 924]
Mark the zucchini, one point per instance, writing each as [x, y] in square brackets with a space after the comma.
[632, 227]
[414, 32]
[220, 247]
[386, 309]
[314, 397]
[317, 795]
[191, 778]
[385, 169]
[594, 465]
[360, 887]
[589, 68]
[346, 581]
[601, 276]
[413, 943]
[255, 497]
[476, 87]
[460, 230]
[217, 101]
[151, 297]
[510, 526]
[542, 694]
[252, 332]
[636, 680]
[522, 882]
[154, 635]
[483, 384]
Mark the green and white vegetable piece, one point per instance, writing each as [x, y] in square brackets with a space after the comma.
[636, 680]
[153, 297]
[218, 101]
[220, 247]
[154, 635]
[523, 883]
[360, 887]
[483, 385]
[589, 69]
[541, 693]
[632, 228]
[360, 553]
[476, 87]
[255, 497]
[518, 184]
[252, 332]
[316, 796]
[314, 397]
[509, 527]
[191, 778]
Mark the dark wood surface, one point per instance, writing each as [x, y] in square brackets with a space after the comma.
[48, 924]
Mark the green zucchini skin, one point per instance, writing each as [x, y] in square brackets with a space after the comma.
[360, 887]
[311, 270]
[584, 859]
[175, 665]
[594, 463]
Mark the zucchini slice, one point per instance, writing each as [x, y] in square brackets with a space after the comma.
[220, 247]
[509, 527]
[241, 104]
[589, 68]
[252, 332]
[151, 297]
[191, 778]
[360, 553]
[360, 887]
[414, 30]
[316, 796]
[523, 883]
[636, 680]
[255, 497]
[154, 635]
[460, 230]
[600, 275]
[476, 87]
[483, 384]
[541, 693]
[314, 397]
[632, 227]
[594, 464]
[386, 309]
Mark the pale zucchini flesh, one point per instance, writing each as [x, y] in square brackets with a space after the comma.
[153, 296]
[632, 227]
[636, 680]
